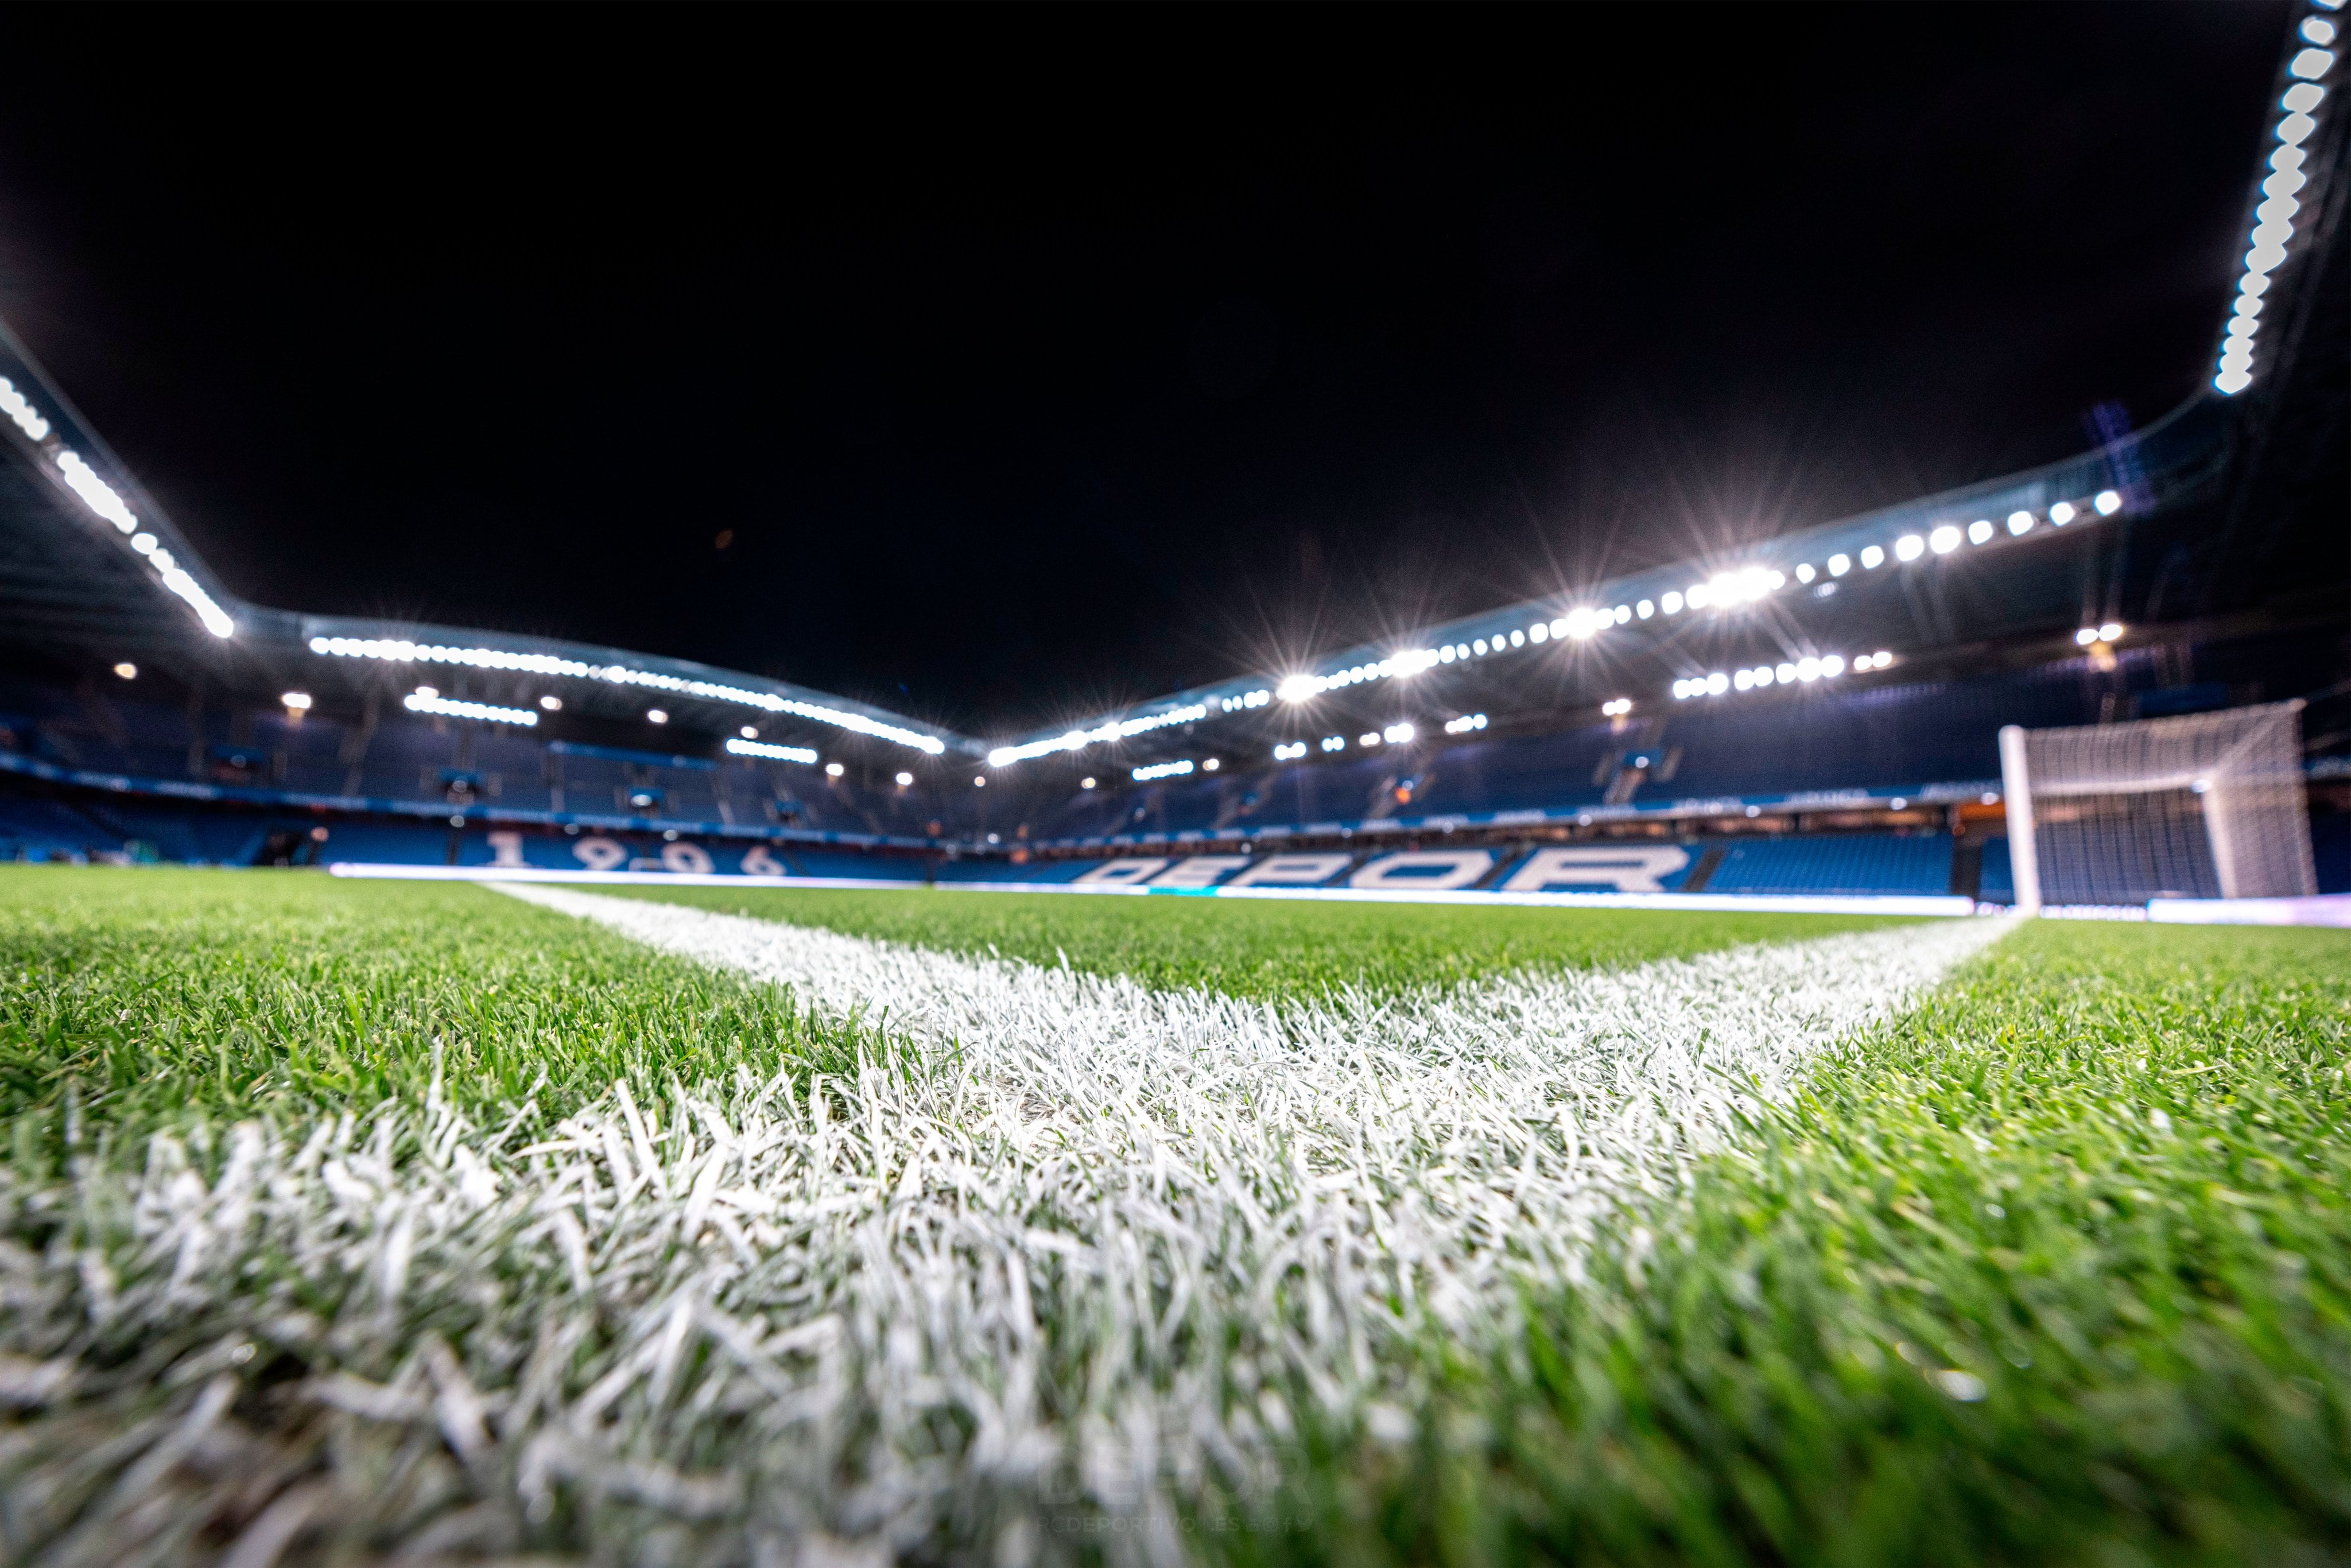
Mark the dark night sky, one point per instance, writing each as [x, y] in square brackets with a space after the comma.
[1041, 360]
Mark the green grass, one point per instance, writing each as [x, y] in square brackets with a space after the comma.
[2099, 1179]
[2103, 1176]
[132, 1001]
[1272, 950]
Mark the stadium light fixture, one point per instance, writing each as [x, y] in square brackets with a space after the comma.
[423, 699]
[744, 747]
[2085, 636]
[1616, 708]
[1839, 564]
[979, 780]
[748, 733]
[400, 650]
[1145, 775]
[2111, 631]
[1943, 540]
[904, 779]
[296, 702]
[1290, 751]
[1980, 532]
[1805, 573]
[834, 770]
[2107, 503]
[551, 704]
[1465, 723]
[1671, 603]
[656, 716]
[21, 411]
[1399, 734]
[1872, 558]
[1211, 764]
[1538, 634]
[2318, 30]
[1335, 743]
[1644, 610]
[2274, 229]
[127, 669]
[1085, 783]
[1909, 547]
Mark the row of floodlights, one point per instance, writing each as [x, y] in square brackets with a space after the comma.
[2273, 218]
[1116, 729]
[1789, 673]
[400, 650]
[1724, 590]
[101, 497]
[1398, 734]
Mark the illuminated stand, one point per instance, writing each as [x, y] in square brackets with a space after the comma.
[2204, 806]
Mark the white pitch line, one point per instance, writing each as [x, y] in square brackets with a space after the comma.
[1498, 1124]
[1098, 1261]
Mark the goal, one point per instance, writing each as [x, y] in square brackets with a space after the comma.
[2208, 805]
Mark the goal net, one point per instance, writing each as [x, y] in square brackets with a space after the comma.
[2209, 805]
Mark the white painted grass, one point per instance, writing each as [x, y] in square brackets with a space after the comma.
[1072, 1252]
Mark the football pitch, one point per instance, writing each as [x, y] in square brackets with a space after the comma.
[353, 1221]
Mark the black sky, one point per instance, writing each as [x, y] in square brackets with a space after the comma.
[1040, 360]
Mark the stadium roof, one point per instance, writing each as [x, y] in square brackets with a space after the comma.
[88, 557]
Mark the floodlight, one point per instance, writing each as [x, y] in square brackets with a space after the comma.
[1671, 603]
[127, 669]
[978, 780]
[1943, 540]
[552, 705]
[904, 779]
[1717, 684]
[1832, 666]
[2086, 635]
[1980, 531]
[1644, 610]
[22, 413]
[1909, 547]
[2310, 65]
[1211, 764]
[1839, 564]
[834, 770]
[2318, 30]
[296, 702]
[2021, 523]
[656, 715]
[1805, 573]
[1088, 783]
[2107, 502]
[1872, 558]
[2111, 631]
[2302, 97]
[1539, 632]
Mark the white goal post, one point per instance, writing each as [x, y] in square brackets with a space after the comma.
[2205, 804]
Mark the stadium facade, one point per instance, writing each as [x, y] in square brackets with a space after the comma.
[1815, 714]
